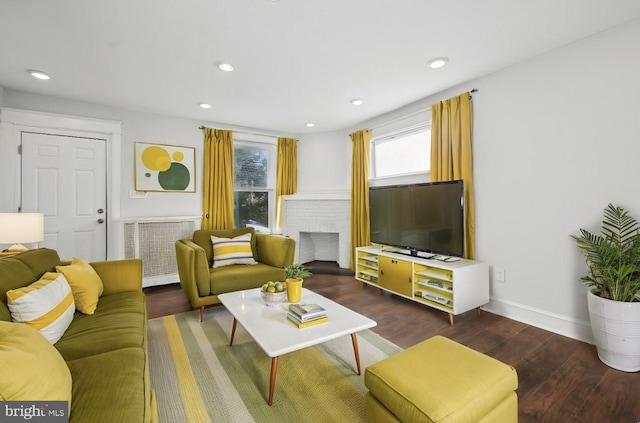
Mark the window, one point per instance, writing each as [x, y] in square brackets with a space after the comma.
[254, 185]
[403, 153]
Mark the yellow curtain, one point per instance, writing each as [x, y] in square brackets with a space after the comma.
[217, 201]
[287, 172]
[452, 155]
[360, 236]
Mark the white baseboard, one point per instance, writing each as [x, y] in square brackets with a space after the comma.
[159, 280]
[543, 319]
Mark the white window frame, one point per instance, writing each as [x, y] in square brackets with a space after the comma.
[387, 136]
[270, 144]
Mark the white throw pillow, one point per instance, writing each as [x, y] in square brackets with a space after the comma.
[236, 250]
[46, 305]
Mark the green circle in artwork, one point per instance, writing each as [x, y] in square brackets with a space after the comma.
[148, 175]
[176, 178]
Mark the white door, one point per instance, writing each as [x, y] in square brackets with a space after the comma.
[64, 177]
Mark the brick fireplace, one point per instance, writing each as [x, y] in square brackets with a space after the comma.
[319, 223]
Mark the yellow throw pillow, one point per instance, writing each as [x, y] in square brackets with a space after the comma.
[31, 368]
[85, 282]
[236, 250]
[45, 305]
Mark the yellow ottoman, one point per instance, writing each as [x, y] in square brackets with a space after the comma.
[441, 381]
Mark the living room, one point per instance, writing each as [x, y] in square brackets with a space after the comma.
[555, 139]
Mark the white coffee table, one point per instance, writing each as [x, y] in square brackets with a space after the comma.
[276, 335]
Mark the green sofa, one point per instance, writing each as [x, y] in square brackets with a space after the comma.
[202, 284]
[106, 352]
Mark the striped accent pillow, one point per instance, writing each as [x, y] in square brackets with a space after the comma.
[45, 305]
[236, 250]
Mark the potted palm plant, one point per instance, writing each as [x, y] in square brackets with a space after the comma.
[613, 262]
[295, 275]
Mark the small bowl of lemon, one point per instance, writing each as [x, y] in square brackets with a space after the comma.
[274, 293]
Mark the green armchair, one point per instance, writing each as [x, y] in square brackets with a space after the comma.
[202, 283]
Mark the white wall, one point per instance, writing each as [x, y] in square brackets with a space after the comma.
[324, 162]
[555, 139]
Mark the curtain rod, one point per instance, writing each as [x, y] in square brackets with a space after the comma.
[391, 121]
[247, 133]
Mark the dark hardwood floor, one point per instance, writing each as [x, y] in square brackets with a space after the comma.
[561, 380]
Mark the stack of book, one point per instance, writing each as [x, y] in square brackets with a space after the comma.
[303, 315]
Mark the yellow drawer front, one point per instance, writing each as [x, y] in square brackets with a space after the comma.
[395, 275]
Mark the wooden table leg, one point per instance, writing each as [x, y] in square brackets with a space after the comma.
[451, 319]
[233, 331]
[478, 310]
[272, 381]
[354, 341]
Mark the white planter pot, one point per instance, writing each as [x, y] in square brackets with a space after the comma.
[616, 330]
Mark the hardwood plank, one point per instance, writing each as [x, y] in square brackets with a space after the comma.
[616, 398]
[536, 368]
[525, 342]
[562, 396]
[165, 300]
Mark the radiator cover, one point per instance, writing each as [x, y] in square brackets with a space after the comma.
[153, 243]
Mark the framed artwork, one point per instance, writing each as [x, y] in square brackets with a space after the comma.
[164, 168]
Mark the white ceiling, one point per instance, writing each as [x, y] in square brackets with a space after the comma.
[296, 61]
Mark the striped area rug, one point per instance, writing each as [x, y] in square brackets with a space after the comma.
[198, 377]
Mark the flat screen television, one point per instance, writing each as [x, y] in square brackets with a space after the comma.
[426, 217]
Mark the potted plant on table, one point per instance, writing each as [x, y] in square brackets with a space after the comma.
[613, 261]
[295, 275]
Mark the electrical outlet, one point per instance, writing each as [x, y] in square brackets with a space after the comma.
[498, 274]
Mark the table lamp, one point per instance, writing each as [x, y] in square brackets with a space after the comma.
[18, 228]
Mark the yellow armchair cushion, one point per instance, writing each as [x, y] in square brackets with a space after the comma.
[85, 283]
[31, 368]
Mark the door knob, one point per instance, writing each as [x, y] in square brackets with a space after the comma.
[100, 211]
[100, 220]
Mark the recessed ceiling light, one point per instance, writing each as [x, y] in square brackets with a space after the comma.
[205, 105]
[357, 102]
[438, 62]
[225, 67]
[310, 125]
[39, 75]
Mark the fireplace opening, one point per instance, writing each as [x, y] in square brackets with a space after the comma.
[321, 246]
[319, 267]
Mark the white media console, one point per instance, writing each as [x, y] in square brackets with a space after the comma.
[453, 286]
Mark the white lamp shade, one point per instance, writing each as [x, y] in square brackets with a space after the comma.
[18, 228]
